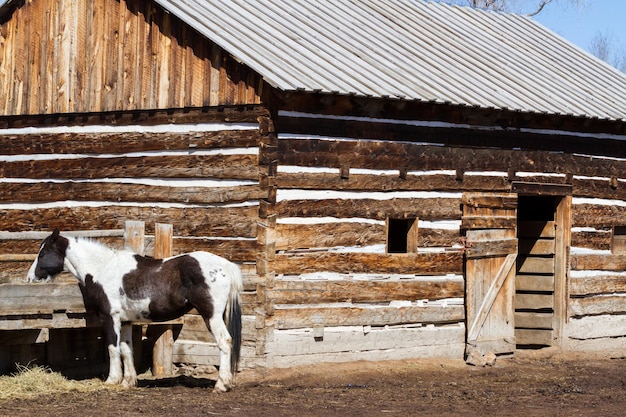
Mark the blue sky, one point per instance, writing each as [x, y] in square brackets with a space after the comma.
[580, 25]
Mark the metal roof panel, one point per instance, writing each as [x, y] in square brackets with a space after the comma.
[410, 49]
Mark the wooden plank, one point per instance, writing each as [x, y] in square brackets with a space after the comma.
[45, 298]
[530, 301]
[364, 291]
[598, 216]
[425, 263]
[134, 236]
[536, 247]
[490, 200]
[533, 337]
[501, 247]
[618, 240]
[537, 229]
[535, 265]
[534, 283]
[533, 320]
[301, 316]
[489, 297]
[535, 189]
[491, 222]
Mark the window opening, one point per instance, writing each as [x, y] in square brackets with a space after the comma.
[402, 235]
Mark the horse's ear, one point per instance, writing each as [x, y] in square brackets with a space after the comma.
[55, 234]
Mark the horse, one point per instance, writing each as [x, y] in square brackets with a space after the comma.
[125, 287]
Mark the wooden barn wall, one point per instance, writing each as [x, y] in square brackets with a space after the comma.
[196, 170]
[329, 279]
[65, 56]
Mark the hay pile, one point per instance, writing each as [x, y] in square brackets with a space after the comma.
[36, 380]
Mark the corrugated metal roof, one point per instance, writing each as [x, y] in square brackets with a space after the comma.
[412, 50]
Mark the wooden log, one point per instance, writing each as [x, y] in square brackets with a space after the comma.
[390, 155]
[597, 284]
[89, 191]
[296, 316]
[598, 216]
[596, 305]
[125, 142]
[164, 166]
[192, 221]
[425, 263]
[423, 208]
[599, 262]
[286, 291]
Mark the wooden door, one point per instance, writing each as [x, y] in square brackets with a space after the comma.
[489, 220]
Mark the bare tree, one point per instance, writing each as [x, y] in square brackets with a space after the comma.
[529, 8]
[607, 49]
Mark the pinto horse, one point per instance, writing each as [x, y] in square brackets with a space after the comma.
[125, 287]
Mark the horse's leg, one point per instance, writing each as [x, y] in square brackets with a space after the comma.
[112, 328]
[222, 337]
[126, 349]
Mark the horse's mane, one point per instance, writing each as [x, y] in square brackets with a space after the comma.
[95, 244]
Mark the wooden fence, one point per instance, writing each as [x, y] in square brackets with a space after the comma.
[49, 324]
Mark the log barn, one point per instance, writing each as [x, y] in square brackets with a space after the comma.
[396, 178]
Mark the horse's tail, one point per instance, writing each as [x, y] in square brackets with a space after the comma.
[232, 314]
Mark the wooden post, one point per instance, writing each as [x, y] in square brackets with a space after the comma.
[134, 235]
[163, 240]
[163, 351]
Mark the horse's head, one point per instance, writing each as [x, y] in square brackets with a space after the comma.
[50, 259]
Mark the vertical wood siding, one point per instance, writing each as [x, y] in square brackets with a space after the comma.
[71, 56]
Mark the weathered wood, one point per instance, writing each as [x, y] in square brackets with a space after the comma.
[523, 187]
[595, 327]
[423, 208]
[536, 247]
[390, 155]
[533, 320]
[580, 261]
[491, 222]
[126, 142]
[599, 239]
[595, 305]
[618, 240]
[296, 316]
[500, 247]
[597, 284]
[134, 236]
[328, 235]
[537, 229]
[480, 316]
[163, 350]
[534, 283]
[103, 65]
[533, 301]
[373, 344]
[192, 221]
[105, 191]
[373, 290]
[599, 216]
[533, 337]
[535, 265]
[437, 263]
[164, 166]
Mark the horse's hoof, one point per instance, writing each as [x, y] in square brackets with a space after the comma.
[220, 387]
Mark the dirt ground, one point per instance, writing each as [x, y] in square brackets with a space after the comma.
[527, 385]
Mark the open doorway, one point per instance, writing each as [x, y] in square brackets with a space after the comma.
[541, 270]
